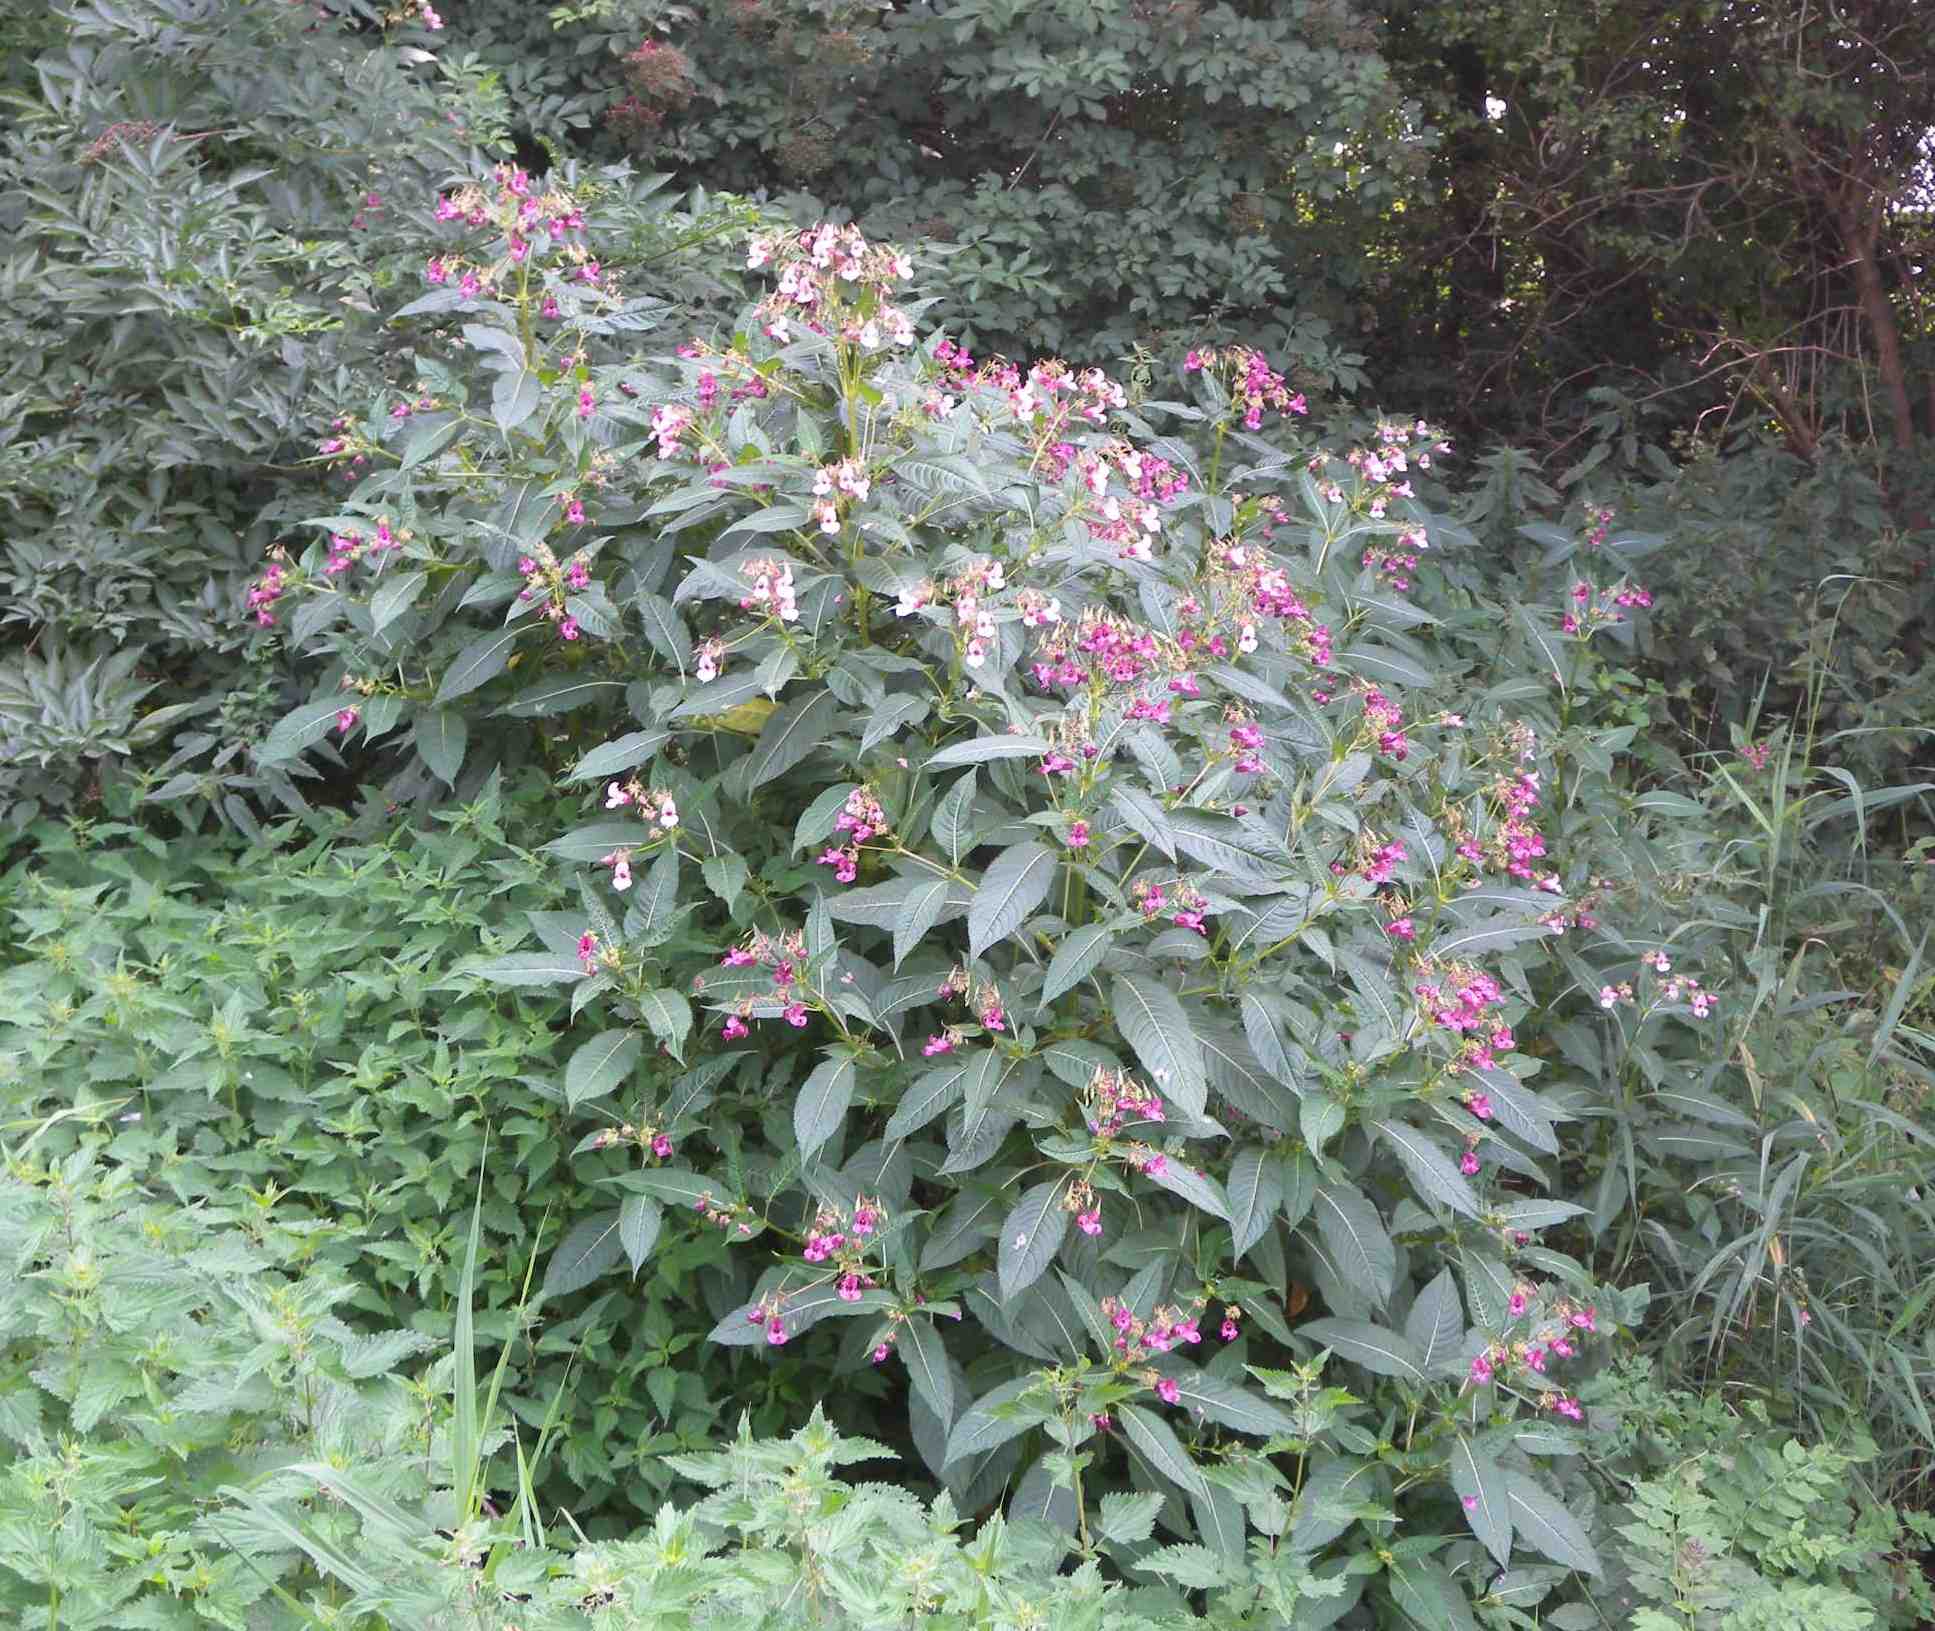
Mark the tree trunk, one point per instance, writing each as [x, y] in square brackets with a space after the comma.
[1857, 212]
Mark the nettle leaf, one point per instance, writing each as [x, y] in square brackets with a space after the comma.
[1542, 1521]
[1433, 1173]
[1128, 1520]
[639, 1220]
[1375, 1347]
[601, 1065]
[1484, 1492]
[1011, 888]
[1152, 1022]
[1255, 1192]
[822, 1103]
[1078, 956]
[1161, 1448]
[1031, 1235]
[1354, 1232]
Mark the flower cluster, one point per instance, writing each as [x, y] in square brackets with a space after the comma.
[771, 593]
[859, 820]
[830, 280]
[1514, 841]
[1119, 655]
[528, 219]
[1176, 899]
[1594, 608]
[550, 583]
[1253, 384]
[1670, 989]
[1114, 1101]
[1463, 1000]
[646, 1138]
[1556, 1326]
[785, 956]
[266, 591]
[1246, 587]
[1046, 401]
[831, 483]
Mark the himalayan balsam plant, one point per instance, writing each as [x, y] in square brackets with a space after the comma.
[1062, 901]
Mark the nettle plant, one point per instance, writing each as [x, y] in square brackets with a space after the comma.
[1059, 904]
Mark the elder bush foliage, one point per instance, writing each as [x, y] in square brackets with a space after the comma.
[1062, 902]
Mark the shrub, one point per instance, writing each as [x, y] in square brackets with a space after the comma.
[1130, 848]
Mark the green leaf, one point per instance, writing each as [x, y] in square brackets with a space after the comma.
[1160, 1447]
[1201, 1191]
[1433, 1173]
[1485, 1494]
[983, 748]
[1384, 665]
[1436, 1323]
[1077, 957]
[600, 1065]
[792, 732]
[922, 1352]
[626, 753]
[1152, 1022]
[952, 823]
[919, 912]
[1128, 1520]
[665, 630]
[303, 728]
[639, 1220]
[393, 597]
[477, 664]
[1226, 1402]
[1429, 1596]
[1377, 1349]
[670, 1016]
[993, 1419]
[1354, 1232]
[589, 1248]
[822, 1103]
[1031, 1235]
[1542, 1521]
[530, 968]
[1255, 1192]
[1012, 887]
[442, 735]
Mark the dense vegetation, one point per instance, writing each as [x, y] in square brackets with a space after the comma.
[1161, 767]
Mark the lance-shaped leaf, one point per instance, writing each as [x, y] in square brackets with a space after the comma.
[1031, 1235]
[1199, 1189]
[1433, 1173]
[1436, 1324]
[670, 1016]
[1225, 1402]
[1484, 1491]
[822, 1103]
[639, 1220]
[1255, 1193]
[478, 663]
[1354, 1233]
[1160, 1447]
[920, 910]
[1078, 956]
[792, 732]
[1012, 887]
[982, 748]
[600, 1065]
[1152, 1021]
[921, 1351]
[589, 1248]
[1542, 1522]
[994, 1418]
[1385, 1352]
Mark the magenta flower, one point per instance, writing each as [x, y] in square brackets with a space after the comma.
[1089, 1222]
[734, 1028]
[1167, 1390]
[776, 1331]
[662, 1147]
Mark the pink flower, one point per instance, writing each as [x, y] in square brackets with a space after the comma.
[1585, 1319]
[1078, 835]
[1089, 1222]
[1468, 1163]
[568, 629]
[586, 402]
[1480, 1106]
[587, 950]
[882, 1353]
[937, 1044]
[795, 1016]
[1401, 929]
[1567, 1407]
[1167, 1390]
[734, 1028]
[1229, 1330]
[345, 720]
[1481, 1369]
[574, 512]
[776, 1331]
[849, 1288]
[1471, 1503]
[1516, 1305]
